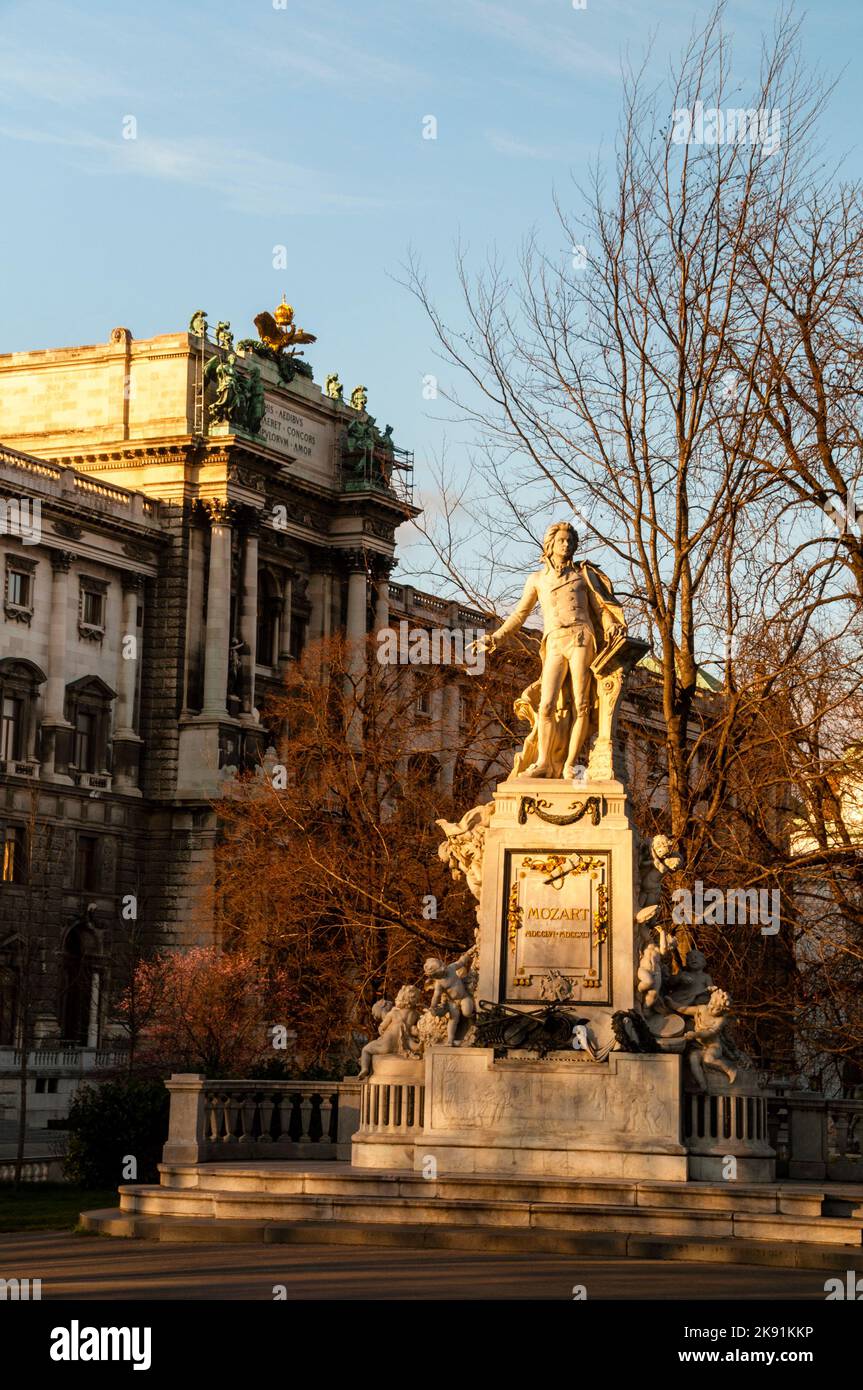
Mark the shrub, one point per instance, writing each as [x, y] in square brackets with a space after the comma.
[110, 1123]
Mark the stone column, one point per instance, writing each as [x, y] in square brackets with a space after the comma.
[249, 609]
[129, 665]
[193, 687]
[382, 594]
[126, 741]
[54, 709]
[218, 612]
[356, 639]
[356, 624]
[450, 733]
[93, 1014]
[285, 619]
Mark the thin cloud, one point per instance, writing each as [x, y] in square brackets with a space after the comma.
[518, 149]
[556, 45]
[245, 180]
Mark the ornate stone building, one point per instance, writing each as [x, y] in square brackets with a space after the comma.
[176, 527]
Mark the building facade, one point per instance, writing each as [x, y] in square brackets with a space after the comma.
[166, 554]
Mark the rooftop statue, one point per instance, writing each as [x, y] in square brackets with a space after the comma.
[198, 323]
[585, 652]
[279, 332]
[333, 387]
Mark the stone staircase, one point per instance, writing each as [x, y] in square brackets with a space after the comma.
[802, 1225]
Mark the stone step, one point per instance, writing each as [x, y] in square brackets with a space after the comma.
[332, 1180]
[784, 1254]
[423, 1206]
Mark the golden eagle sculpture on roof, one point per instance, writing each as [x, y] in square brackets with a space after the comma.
[279, 331]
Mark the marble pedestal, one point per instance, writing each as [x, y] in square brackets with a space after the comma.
[559, 892]
[566, 1116]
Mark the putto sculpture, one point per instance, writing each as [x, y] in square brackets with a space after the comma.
[709, 1040]
[396, 1028]
[452, 993]
[582, 619]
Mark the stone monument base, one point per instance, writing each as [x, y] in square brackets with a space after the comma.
[564, 1116]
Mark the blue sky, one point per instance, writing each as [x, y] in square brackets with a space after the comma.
[302, 126]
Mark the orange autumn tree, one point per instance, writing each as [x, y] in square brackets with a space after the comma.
[328, 865]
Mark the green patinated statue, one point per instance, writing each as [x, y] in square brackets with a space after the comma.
[255, 401]
[198, 323]
[229, 404]
[224, 336]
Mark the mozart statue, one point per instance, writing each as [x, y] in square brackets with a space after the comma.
[585, 654]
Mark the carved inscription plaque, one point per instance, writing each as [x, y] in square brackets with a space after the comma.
[556, 926]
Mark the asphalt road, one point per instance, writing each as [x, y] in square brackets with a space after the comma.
[96, 1267]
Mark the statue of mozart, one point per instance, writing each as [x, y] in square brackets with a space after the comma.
[584, 628]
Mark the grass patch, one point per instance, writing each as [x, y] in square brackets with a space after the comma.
[49, 1206]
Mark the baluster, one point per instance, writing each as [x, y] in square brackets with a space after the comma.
[266, 1107]
[230, 1110]
[327, 1109]
[211, 1124]
[840, 1118]
[305, 1119]
[246, 1105]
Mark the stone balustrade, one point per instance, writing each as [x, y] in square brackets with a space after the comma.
[728, 1123]
[66, 1058]
[219, 1120]
[816, 1137]
[47, 1169]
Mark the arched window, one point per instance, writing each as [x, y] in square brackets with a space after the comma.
[79, 1002]
[269, 616]
[19, 692]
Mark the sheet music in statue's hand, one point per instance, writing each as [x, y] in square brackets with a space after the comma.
[622, 651]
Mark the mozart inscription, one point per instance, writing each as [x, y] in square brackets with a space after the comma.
[556, 925]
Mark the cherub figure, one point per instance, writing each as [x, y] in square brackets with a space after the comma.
[450, 992]
[333, 387]
[709, 1043]
[692, 984]
[396, 1028]
[650, 975]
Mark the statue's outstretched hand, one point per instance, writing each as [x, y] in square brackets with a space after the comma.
[485, 644]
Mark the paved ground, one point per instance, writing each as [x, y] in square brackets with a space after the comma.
[96, 1267]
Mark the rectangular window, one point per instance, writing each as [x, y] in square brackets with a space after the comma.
[423, 701]
[13, 854]
[11, 724]
[85, 863]
[20, 588]
[85, 741]
[93, 608]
